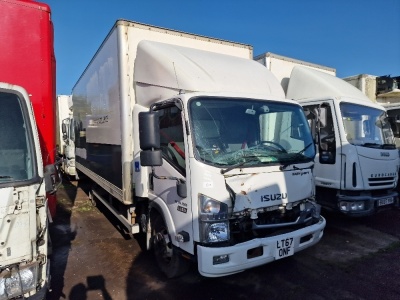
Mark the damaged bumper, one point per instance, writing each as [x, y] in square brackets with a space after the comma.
[222, 261]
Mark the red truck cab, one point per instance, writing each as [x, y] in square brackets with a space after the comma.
[27, 59]
[28, 167]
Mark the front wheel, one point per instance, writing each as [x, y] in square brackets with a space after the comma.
[171, 263]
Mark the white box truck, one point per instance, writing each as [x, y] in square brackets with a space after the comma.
[63, 104]
[64, 131]
[384, 90]
[192, 145]
[356, 167]
[281, 66]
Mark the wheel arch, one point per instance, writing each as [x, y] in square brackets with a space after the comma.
[158, 206]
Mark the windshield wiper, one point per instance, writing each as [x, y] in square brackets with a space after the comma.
[305, 148]
[388, 146]
[371, 145]
[284, 166]
[376, 145]
[253, 159]
[5, 177]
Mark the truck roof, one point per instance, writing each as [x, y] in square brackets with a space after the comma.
[309, 83]
[31, 4]
[163, 70]
[272, 56]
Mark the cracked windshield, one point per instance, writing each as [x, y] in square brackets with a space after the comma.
[245, 132]
[366, 126]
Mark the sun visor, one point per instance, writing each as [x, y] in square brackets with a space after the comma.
[308, 83]
[162, 70]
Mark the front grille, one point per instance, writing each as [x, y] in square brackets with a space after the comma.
[381, 181]
[242, 230]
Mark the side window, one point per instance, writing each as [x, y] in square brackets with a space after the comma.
[326, 141]
[311, 112]
[172, 139]
[394, 119]
[16, 157]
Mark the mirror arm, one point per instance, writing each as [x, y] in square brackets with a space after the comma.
[178, 181]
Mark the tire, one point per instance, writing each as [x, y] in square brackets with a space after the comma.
[171, 263]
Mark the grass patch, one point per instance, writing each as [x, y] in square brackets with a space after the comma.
[85, 206]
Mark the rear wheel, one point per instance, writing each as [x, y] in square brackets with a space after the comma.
[169, 261]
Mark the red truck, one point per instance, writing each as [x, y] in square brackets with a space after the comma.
[28, 168]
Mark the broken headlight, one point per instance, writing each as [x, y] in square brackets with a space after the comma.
[213, 220]
[16, 281]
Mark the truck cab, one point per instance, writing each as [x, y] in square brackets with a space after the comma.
[24, 185]
[231, 176]
[356, 168]
[68, 146]
[240, 180]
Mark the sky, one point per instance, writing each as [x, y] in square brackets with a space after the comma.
[352, 36]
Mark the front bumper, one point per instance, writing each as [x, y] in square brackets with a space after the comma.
[371, 204]
[238, 254]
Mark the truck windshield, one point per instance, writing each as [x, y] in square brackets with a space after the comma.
[246, 132]
[366, 126]
[16, 155]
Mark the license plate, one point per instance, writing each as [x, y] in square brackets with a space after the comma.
[284, 248]
[385, 201]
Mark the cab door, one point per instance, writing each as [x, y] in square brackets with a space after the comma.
[322, 118]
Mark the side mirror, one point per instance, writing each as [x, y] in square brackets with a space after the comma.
[52, 178]
[151, 158]
[149, 130]
[149, 136]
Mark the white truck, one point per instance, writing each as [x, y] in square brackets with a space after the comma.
[192, 145]
[356, 167]
[281, 66]
[384, 90]
[65, 132]
[28, 167]
[25, 184]
[63, 104]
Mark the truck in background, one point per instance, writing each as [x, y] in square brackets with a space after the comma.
[281, 66]
[384, 90]
[64, 113]
[65, 132]
[28, 174]
[192, 145]
[356, 167]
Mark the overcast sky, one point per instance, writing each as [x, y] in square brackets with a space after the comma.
[352, 36]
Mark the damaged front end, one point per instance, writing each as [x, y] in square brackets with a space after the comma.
[24, 266]
[263, 223]
[274, 220]
[271, 210]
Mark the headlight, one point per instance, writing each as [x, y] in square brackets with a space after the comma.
[217, 232]
[352, 206]
[12, 281]
[213, 220]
